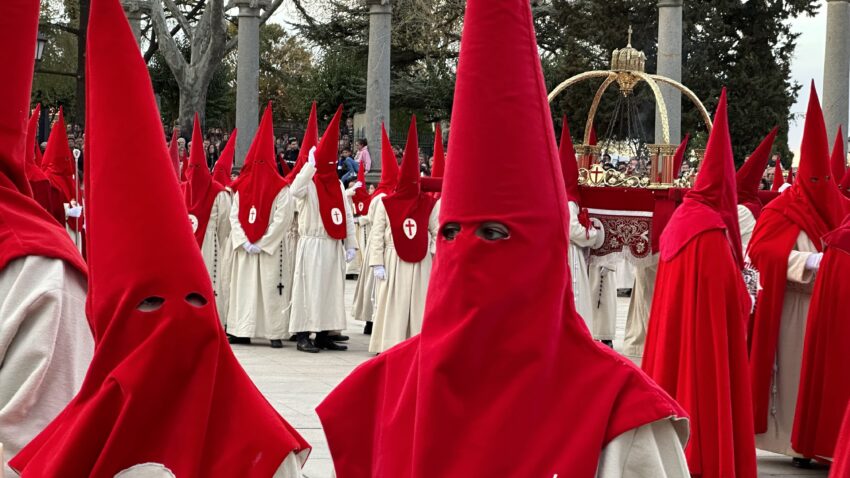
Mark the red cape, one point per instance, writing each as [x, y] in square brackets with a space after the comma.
[199, 190]
[841, 466]
[328, 187]
[696, 350]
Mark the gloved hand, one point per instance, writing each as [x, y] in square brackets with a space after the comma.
[357, 184]
[311, 156]
[813, 261]
[349, 255]
[379, 272]
[75, 211]
[251, 248]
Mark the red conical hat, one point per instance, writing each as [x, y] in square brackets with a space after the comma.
[439, 166]
[328, 187]
[311, 138]
[58, 162]
[750, 174]
[389, 166]
[679, 156]
[498, 394]
[163, 375]
[223, 168]
[173, 152]
[261, 183]
[713, 201]
[34, 172]
[408, 208]
[26, 229]
[790, 178]
[845, 183]
[361, 198]
[569, 165]
[778, 176]
[838, 161]
[201, 189]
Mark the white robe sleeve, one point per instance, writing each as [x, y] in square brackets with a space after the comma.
[278, 223]
[45, 346]
[290, 468]
[434, 228]
[747, 224]
[350, 229]
[654, 450]
[579, 235]
[237, 234]
[797, 271]
[302, 179]
[377, 244]
[223, 205]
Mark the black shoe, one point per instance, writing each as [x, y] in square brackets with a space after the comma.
[609, 343]
[307, 345]
[368, 329]
[804, 463]
[293, 338]
[323, 341]
[350, 276]
[338, 338]
[234, 340]
[276, 343]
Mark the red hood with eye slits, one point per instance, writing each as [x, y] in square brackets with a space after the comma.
[161, 382]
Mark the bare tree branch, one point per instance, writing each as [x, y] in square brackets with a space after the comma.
[178, 15]
[270, 11]
[168, 47]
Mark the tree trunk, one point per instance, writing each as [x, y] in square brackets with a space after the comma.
[192, 100]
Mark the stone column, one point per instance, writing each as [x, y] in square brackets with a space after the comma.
[378, 77]
[248, 75]
[134, 10]
[836, 69]
[670, 65]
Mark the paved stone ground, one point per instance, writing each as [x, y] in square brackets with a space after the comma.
[296, 382]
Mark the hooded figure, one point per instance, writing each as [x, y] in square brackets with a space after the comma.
[46, 344]
[42, 190]
[260, 217]
[401, 247]
[778, 176]
[173, 151]
[326, 242]
[786, 249]
[470, 396]
[58, 166]
[748, 179]
[584, 235]
[365, 292]
[679, 156]
[209, 213]
[360, 199]
[825, 378]
[439, 166]
[696, 346]
[223, 168]
[164, 395]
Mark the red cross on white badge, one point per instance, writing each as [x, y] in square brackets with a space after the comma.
[336, 216]
[409, 228]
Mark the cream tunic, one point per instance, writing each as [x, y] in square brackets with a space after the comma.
[318, 291]
[603, 302]
[789, 351]
[365, 293]
[401, 296]
[747, 223]
[353, 267]
[637, 320]
[258, 307]
[45, 346]
[218, 253]
[581, 240]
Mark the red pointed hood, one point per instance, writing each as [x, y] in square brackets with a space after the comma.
[791, 177]
[451, 370]
[33, 170]
[26, 229]
[311, 138]
[361, 198]
[749, 176]
[713, 201]
[679, 156]
[838, 160]
[389, 166]
[58, 162]
[200, 189]
[328, 187]
[259, 183]
[569, 165]
[845, 183]
[141, 250]
[439, 166]
[173, 152]
[223, 168]
[408, 208]
[778, 176]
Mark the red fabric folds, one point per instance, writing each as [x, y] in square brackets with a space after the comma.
[389, 166]
[328, 187]
[841, 466]
[778, 176]
[60, 168]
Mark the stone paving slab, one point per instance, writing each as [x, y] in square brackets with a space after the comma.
[295, 383]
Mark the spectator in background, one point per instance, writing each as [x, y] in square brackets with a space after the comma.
[292, 152]
[346, 167]
[212, 154]
[363, 158]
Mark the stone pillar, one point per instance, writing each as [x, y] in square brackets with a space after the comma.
[378, 77]
[248, 75]
[836, 69]
[134, 10]
[670, 65]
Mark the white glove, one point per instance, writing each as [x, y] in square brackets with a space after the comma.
[813, 261]
[251, 248]
[349, 255]
[76, 211]
[311, 156]
[784, 187]
[358, 184]
[379, 272]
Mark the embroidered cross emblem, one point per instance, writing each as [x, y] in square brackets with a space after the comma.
[409, 228]
[336, 216]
